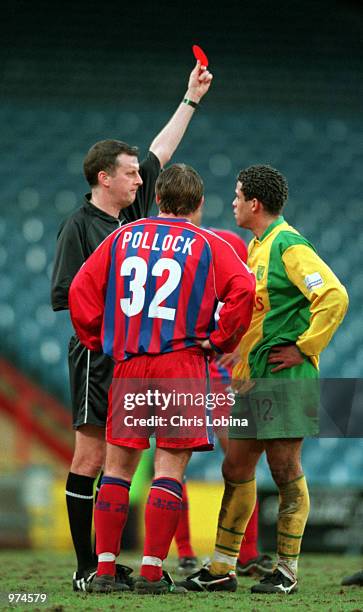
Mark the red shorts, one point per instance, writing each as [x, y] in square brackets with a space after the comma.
[161, 395]
[220, 373]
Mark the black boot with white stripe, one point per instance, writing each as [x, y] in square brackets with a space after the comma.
[82, 580]
[276, 583]
[203, 580]
[123, 581]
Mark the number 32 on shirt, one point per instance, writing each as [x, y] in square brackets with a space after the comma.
[132, 306]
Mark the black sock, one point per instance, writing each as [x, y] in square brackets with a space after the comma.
[98, 486]
[79, 496]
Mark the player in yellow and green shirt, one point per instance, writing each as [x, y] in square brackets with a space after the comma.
[299, 304]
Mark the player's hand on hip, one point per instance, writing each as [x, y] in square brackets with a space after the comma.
[286, 356]
[207, 348]
[199, 82]
[206, 345]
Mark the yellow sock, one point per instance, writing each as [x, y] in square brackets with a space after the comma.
[293, 514]
[239, 500]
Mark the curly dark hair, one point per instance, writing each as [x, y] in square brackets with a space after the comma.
[103, 156]
[265, 184]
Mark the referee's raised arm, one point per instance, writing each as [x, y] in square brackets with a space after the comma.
[167, 141]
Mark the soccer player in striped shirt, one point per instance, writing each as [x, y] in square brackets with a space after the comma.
[148, 295]
[121, 190]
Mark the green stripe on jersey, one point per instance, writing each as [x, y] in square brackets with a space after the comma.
[289, 315]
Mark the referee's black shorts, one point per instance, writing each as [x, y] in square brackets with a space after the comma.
[90, 376]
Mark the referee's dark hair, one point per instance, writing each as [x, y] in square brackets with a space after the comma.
[180, 190]
[265, 184]
[103, 156]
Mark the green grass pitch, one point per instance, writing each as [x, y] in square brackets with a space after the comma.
[51, 573]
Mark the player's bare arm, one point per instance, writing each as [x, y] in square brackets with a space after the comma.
[166, 142]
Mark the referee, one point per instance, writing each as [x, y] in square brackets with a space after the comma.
[121, 191]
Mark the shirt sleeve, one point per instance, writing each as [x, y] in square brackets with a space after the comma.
[69, 256]
[149, 172]
[235, 287]
[327, 296]
[87, 296]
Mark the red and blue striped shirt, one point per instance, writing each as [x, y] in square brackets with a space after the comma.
[152, 287]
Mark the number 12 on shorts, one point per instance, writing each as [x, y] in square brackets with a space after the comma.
[132, 306]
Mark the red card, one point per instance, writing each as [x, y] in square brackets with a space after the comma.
[200, 55]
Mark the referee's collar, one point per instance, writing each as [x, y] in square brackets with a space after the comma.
[98, 212]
